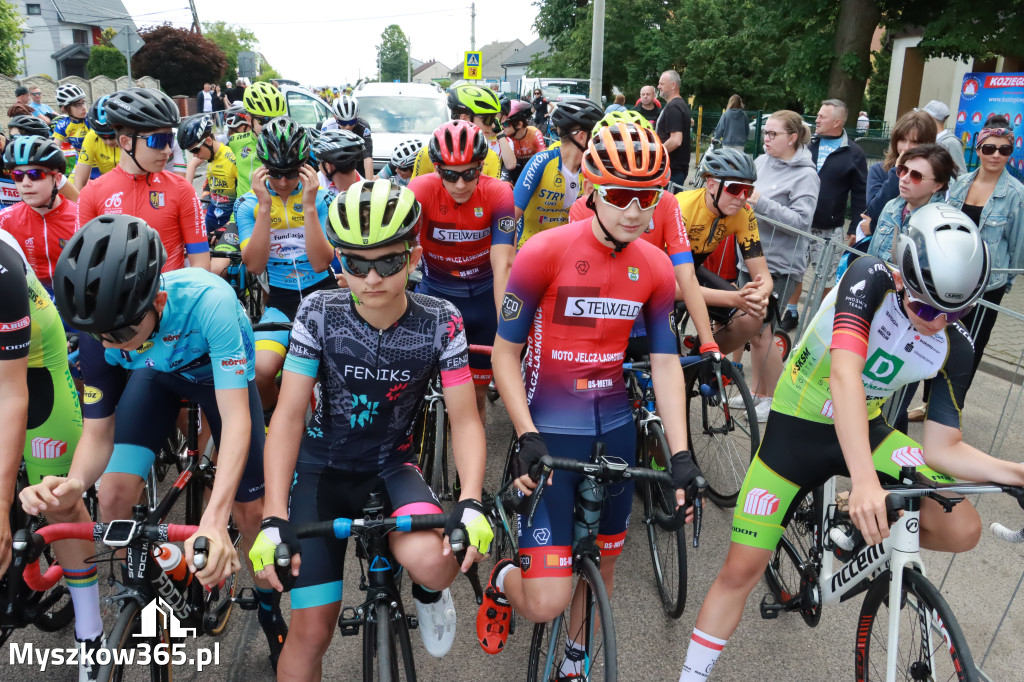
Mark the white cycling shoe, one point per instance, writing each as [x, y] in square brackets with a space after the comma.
[437, 624]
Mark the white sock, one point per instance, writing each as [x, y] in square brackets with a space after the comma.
[85, 596]
[701, 656]
[573, 658]
[499, 581]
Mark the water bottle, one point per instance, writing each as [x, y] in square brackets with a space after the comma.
[172, 561]
[587, 514]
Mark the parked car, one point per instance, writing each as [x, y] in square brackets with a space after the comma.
[398, 112]
[555, 89]
[305, 106]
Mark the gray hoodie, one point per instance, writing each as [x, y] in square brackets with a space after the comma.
[732, 128]
[789, 193]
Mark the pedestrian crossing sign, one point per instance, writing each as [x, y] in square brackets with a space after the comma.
[471, 66]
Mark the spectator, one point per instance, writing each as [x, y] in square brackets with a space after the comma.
[648, 104]
[732, 127]
[785, 194]
[673, 126]
[218, 105]
[39, 108]
[19, 109]
[236, 93]
[940, 112]
[540, 108]
[21, 96]
[618, 105]
[204, 100]
[842, 173]
[863, 123]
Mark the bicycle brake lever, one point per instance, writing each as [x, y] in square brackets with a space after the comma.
[700, 484]
[282, 566]
[545, 472]
[200, 552]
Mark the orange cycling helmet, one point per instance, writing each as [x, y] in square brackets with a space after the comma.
[626, 155]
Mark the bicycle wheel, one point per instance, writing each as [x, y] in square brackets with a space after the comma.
[218, 599]
[931, 645]
[439, 471]
[53, 609]
[596, 632]
[783, 575]
[423, 441]
[723, 440]
[127, 634]
[380, 656]
[668, 546]
[783, 343]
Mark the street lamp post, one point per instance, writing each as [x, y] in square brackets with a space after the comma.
[24, 50]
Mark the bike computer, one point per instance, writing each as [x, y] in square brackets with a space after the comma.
[119, 533]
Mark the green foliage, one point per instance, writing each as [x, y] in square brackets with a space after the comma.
[445, 83]
[393, 54]
[107, 36]
[268, 73]
[232, 40]
[106, 61]
[180, 59]
[10, 39]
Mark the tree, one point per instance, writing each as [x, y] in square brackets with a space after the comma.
[393, 54]
[878, 86]
[268, 73]
[107, 36]
[180, 59]
[106, 61]
[10, 39]
[232, 40]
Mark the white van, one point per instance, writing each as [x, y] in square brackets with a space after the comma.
[555, 89]
[400, 111]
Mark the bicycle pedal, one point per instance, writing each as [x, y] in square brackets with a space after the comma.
[770, 609]
[247, 599]
[412, 620]
[350, 622]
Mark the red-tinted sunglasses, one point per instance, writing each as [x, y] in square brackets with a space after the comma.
[622, 197]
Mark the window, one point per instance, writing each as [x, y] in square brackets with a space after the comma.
[33, 10]
[79, 36]
[305, 110]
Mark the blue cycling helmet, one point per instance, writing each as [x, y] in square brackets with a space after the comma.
[34, 150]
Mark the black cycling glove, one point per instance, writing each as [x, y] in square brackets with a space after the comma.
[529, 449]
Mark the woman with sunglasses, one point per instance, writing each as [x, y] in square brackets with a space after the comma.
[575, 293]
[100, 153]
[879, 330]
[374, 347]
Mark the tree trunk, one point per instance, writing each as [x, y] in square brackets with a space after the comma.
[854, 29]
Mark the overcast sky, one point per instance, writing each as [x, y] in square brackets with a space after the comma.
[318, 43]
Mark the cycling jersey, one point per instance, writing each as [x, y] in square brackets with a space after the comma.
[66, 129]
[243, 146]
[424, 166]
[164, 200]
[9, 195]
[30, 327]
[222, 176]
[361, 128]
[525, 148]
[42, 237]
[457, 238]
[666, 229]
[99, 155]
[288, 266]
[544, 193]
[575, 300]
[699, 221]
[372, 380]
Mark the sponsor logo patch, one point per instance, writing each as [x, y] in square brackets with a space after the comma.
[157, 199]
[882, 367]
[634, 274]
[908, 456]
[91, 395]
[506, 224]
[760, 502]
[48, 448]
[16, 325]
[511, 306]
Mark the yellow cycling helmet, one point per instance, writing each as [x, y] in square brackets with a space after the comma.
[613, 117]
[472, 99]
[263, 99]
[372, 214]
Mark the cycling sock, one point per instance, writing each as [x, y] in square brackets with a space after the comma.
[791, 309]
[83, 584]
[701, 656]
[424, 595]
[271, 622]
[499, 580]
[573, 657]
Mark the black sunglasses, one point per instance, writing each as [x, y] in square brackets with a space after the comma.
[158, 140]
[278, 174]
[195, 150]
[262, 120]
[385, 266]
[122, 334]
[452, 176]
[990, 149]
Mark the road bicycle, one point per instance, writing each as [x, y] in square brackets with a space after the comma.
[248, 287]
[919, 640]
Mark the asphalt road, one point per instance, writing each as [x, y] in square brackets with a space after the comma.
[651, 646]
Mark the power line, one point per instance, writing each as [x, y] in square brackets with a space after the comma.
[352, 19]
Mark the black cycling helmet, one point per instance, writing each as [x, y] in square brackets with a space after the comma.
[343, 149]
[726, 163]
[473, 100]
[194, 130]
[29, 125]
[283, 145]
[108, 274]
[575, 114]
[34, 150]
[142, 109]
[97, 118]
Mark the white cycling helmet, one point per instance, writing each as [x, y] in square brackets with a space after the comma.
[405, 153]
[345, 108]
[68, 93]
[942, 258]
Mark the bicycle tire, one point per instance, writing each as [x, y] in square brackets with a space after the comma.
[124, 635]
[423, 442]
[723, 444]
[782, 575]
[401, 631]
[439, 475]
[384, 645]
[217, 594]
[783, 343]
[668, 546]
[931, 633]
[598, 631]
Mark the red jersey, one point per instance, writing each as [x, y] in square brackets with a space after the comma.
[575, 300]
[532, 142]
[42, 237]
[164, 200]
[457, 238]
[666, 230]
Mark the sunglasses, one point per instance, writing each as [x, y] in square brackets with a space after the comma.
[121, 335]
[737, 188]
[33, 174]
[621, 197]
[487, 120]
[915, 176]
[929, 313]
[990, 149]
[385, 266]
[452, 176]
[262, 120]
[350, 122]
[158, 140]
[36, 94]
[278, 174]
[195, 150]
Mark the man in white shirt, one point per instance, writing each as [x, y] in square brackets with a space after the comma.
[204, 100]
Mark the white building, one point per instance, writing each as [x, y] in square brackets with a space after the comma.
[59, 34]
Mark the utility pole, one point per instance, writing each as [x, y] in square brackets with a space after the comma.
[597, 53]
[195, 18]
[408, 58]
[472, 27]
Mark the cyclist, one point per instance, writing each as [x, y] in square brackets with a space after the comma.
[43, 221]
[196, 135]
[374, 348]
[879, 330]
[28, 125]
[399, 169]
[281, 225]
[69, 130]
[524, 138]
[575, 293]
[339, 153]
[480, 107]
[100, 153]
[263, 102]
[710, 214]
[467, 237]
[550, 182]
[346, 110]
[142, 119]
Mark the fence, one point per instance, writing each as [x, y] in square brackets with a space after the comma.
[93, 88]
